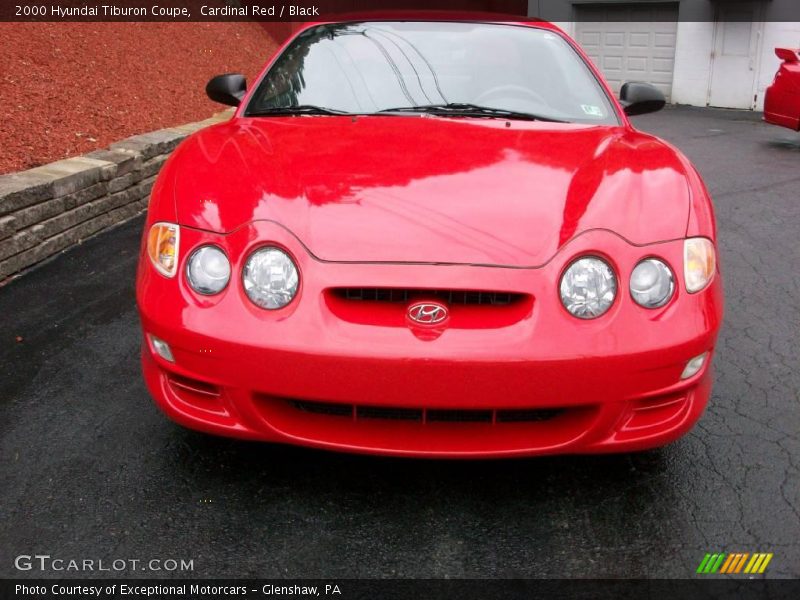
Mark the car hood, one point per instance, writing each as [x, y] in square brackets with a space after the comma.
[431, 189]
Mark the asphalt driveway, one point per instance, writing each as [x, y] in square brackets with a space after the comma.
[90, 469]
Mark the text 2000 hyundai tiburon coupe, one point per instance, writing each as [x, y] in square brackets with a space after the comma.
[431, 236]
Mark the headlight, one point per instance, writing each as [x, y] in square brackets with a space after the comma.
[652, 283]
[162, 247]
[699, 263]
[270, 278]
[588, 287]
[208, 270]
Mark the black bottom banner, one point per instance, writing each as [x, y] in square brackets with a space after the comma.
[401, 589]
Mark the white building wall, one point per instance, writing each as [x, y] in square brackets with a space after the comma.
[692, 74]
[693, 62]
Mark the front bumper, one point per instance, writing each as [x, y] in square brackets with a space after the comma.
[348, 376]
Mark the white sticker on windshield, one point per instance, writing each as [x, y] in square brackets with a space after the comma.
[592, 110]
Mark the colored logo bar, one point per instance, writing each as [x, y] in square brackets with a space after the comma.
[735, 562]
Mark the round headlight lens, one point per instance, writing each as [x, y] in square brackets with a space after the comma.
[652, 283]
[208, 270]
[270, 278]
[588, 287]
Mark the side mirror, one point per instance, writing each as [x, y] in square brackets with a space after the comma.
[640, 98]
[788, 55]
[227, 89]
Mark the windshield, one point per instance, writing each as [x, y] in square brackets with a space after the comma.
[364, 68]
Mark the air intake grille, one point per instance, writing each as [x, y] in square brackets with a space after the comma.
[426, 415]
[405, 295]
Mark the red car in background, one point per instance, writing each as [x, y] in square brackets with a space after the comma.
[431, 236]
[782, 101]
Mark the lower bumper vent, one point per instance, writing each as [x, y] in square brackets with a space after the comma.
[426, 415]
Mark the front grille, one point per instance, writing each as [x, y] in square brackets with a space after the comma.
[405, 295]
[426, 415]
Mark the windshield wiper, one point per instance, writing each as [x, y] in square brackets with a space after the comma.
[302, 109]
[464, 109]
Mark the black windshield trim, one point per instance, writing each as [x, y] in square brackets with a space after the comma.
[296, 111]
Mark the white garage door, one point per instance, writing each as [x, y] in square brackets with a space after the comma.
[630, 42]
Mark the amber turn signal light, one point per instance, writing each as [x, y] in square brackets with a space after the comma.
[699, 263]
[162, 247]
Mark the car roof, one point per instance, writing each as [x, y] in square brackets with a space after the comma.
[432, 15]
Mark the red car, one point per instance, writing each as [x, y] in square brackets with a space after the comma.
[782, 102]
[431, 236]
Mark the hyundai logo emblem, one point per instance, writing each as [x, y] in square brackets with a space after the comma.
[427, 313]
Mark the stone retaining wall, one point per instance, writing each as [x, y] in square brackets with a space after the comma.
[47, 209]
